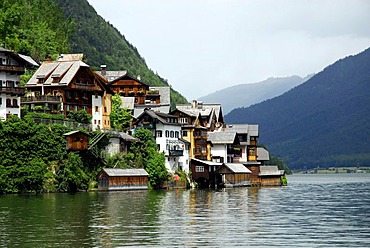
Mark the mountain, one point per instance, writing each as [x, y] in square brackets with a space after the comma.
[244, 95]
[322, 122]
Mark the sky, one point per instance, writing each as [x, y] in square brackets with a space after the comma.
[202, 46]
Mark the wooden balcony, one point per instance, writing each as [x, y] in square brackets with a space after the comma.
[12, 68]
[13, 90]
[41, 99]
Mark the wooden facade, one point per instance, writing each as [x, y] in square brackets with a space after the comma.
[234, 175]
[76, 141]
[122, 179]
[203, 172]
[128, 86]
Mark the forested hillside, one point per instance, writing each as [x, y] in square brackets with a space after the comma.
[102, 43]
[244, 95]
[50, 27]
[323, 122]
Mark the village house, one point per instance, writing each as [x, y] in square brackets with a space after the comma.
[12, 65]
[222, 146]
[167, 134]
[232, 175]
[69, 84]
[119, 142]
[135, 94]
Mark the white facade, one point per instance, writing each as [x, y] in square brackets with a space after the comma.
[97, 112]
[9, 103]
[219, 151]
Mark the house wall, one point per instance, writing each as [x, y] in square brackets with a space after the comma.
[236, 178]
[184, 160]
[97, 116]
[77, 142]
[106, 109]
[4, 77]
[271, 181]
[219, 150]
[122, 182]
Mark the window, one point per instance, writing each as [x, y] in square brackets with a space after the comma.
[184, 133]
[94, 121]
[98, 122]
[176, 134]
[199, 168]
[15, 103]
[96, 109]
[8, 102]
[183, 120]
[96, 95]
[171, 134]
[1, 100]
[167, 134]
[105, 109]
[159, 134]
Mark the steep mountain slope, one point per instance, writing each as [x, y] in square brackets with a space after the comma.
[244, 95]
[323, 122]
[104, 44]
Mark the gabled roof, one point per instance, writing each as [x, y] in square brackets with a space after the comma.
[262, 154]
[74, 132]
[237, 168]
[251, 129]
[270, 170]
[205, 109]
[64, 70]
[222, 137]
[126, 77]
[127, 137]
[27, 60]
[125, 172]
[161, 117]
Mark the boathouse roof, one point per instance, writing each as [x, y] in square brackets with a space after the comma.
[125, 172]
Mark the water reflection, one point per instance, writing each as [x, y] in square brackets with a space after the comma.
[313, 211]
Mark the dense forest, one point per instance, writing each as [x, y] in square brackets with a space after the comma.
[323, 122]
[45, 27]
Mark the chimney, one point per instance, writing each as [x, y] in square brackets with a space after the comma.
[103, 70]
[194, 104]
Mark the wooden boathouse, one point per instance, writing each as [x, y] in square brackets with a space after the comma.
[233, 175]
[122, 179]
[76, 141]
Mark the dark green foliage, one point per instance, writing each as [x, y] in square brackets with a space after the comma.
[144, 155]
[35, 28]
[280, 164]
[323, 122]
[80, 116]
[120, 118]
[102, 43]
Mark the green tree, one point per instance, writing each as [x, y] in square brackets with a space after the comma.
[144, 155]
[80, 116]
[120, 118]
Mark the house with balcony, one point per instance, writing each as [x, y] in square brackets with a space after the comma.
[12, 66]
[69, 84]
[135, 94]
[211, 114]
[223, 146]
[167, 134]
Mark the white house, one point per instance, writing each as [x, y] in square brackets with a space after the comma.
[12, 65]
[167, 133]
[222, 146]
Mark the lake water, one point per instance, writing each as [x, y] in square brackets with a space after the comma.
[312, 211]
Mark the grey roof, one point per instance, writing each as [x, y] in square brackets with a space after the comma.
[29, 60]
[262, 154]
[205, 109]
[125, 172]
[162, 117]
[222, 137]
[64, 70]
[112, 75]
[126, 136]
[270, 170]
[237, 168]
[251, 129]
[164, 93]
[71, 57]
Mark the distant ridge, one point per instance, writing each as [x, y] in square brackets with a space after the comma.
[322, 122]
[244, 95]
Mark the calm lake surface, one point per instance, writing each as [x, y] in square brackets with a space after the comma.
[312, 211]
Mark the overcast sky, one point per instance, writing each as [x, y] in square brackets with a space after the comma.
[202, 46]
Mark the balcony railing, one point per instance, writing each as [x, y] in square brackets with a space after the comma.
[235, 151]
[44, 98]
[13, 90]
[12, 68]
[176, 152]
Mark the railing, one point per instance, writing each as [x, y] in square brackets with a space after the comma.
[86, 87]
[13, 90]
[43, 98]
[235, 151]
[12, 68]
[71, 124]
